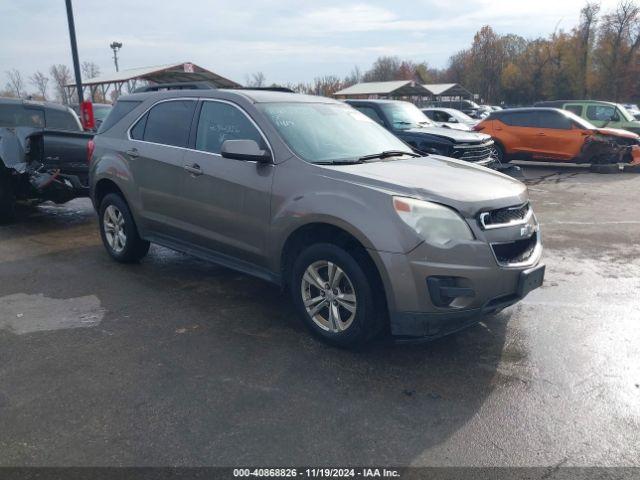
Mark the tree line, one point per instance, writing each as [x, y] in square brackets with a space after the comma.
[598, 58]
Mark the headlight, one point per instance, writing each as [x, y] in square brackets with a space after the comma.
[435, 223]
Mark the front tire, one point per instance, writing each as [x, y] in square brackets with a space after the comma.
[119, 232]
[497, 153]
[334, 296]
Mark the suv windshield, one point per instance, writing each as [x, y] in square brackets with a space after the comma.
[460, 116]
[327, 133]
[403, 115]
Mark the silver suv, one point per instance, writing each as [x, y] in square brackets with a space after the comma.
[311, 194]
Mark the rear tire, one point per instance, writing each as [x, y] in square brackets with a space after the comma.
[342, 309]
[119, 232]
[7, 200]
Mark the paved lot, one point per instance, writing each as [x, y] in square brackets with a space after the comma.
[178, 362]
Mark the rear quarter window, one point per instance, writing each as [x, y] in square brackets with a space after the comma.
[117, 113]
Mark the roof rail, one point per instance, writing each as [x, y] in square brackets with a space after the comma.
[176, 86]
[268, 89]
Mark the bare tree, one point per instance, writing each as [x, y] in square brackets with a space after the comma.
[325, 86]
[61, 75]
[618, 43]
[383, 70]
[256, 80]
[354, 77]
[586, 32]
[15, 84]
[41, 82]
[90, 70]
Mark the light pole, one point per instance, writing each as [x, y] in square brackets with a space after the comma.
[74, 50]
[115, 46]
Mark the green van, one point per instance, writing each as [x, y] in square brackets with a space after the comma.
[601, 114]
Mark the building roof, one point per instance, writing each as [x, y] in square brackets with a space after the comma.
[396, 87]
[176, 72]
[447, 89]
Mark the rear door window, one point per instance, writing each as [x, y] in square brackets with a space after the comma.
[553, 120]
[62, 120]
[169, 123]
[219, 122]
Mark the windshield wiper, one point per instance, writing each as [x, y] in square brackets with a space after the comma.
[339, 162]
[387, 154]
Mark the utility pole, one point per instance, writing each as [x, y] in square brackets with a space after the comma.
[74, 51]
[115, 46]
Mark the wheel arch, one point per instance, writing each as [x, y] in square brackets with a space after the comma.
[104, 187]
[324, 232]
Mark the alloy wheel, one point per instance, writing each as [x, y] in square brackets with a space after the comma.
[114, 231]
[329, 296]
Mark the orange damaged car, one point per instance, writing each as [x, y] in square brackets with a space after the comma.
[550, 134]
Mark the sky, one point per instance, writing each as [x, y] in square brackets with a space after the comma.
[287, 40]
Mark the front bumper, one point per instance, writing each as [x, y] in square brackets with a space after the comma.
[485, 284]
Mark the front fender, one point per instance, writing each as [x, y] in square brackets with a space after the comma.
[362, 211]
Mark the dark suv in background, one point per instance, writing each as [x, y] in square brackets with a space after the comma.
[411, 125]
[311, 194]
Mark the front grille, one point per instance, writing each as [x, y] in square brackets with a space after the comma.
[504, 215]
[473, 152]
[515, 252]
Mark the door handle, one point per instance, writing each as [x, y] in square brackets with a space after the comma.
[52, 159]
[133, 153]
[193, 169]
[542, 134]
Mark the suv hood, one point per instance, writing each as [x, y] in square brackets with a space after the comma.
[456, 136]
[466, 187]
[617, 132]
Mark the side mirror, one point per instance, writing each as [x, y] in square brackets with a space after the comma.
[247, 150]
[452, 120]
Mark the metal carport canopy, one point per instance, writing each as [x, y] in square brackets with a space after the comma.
[447, 90]
[177, 72]
[396, 88]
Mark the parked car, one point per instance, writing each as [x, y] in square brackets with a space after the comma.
[450, 118]
[43, 154]
[408, 123]
[556, 135]
[469, 107]
[600, 114]
[310, 194]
